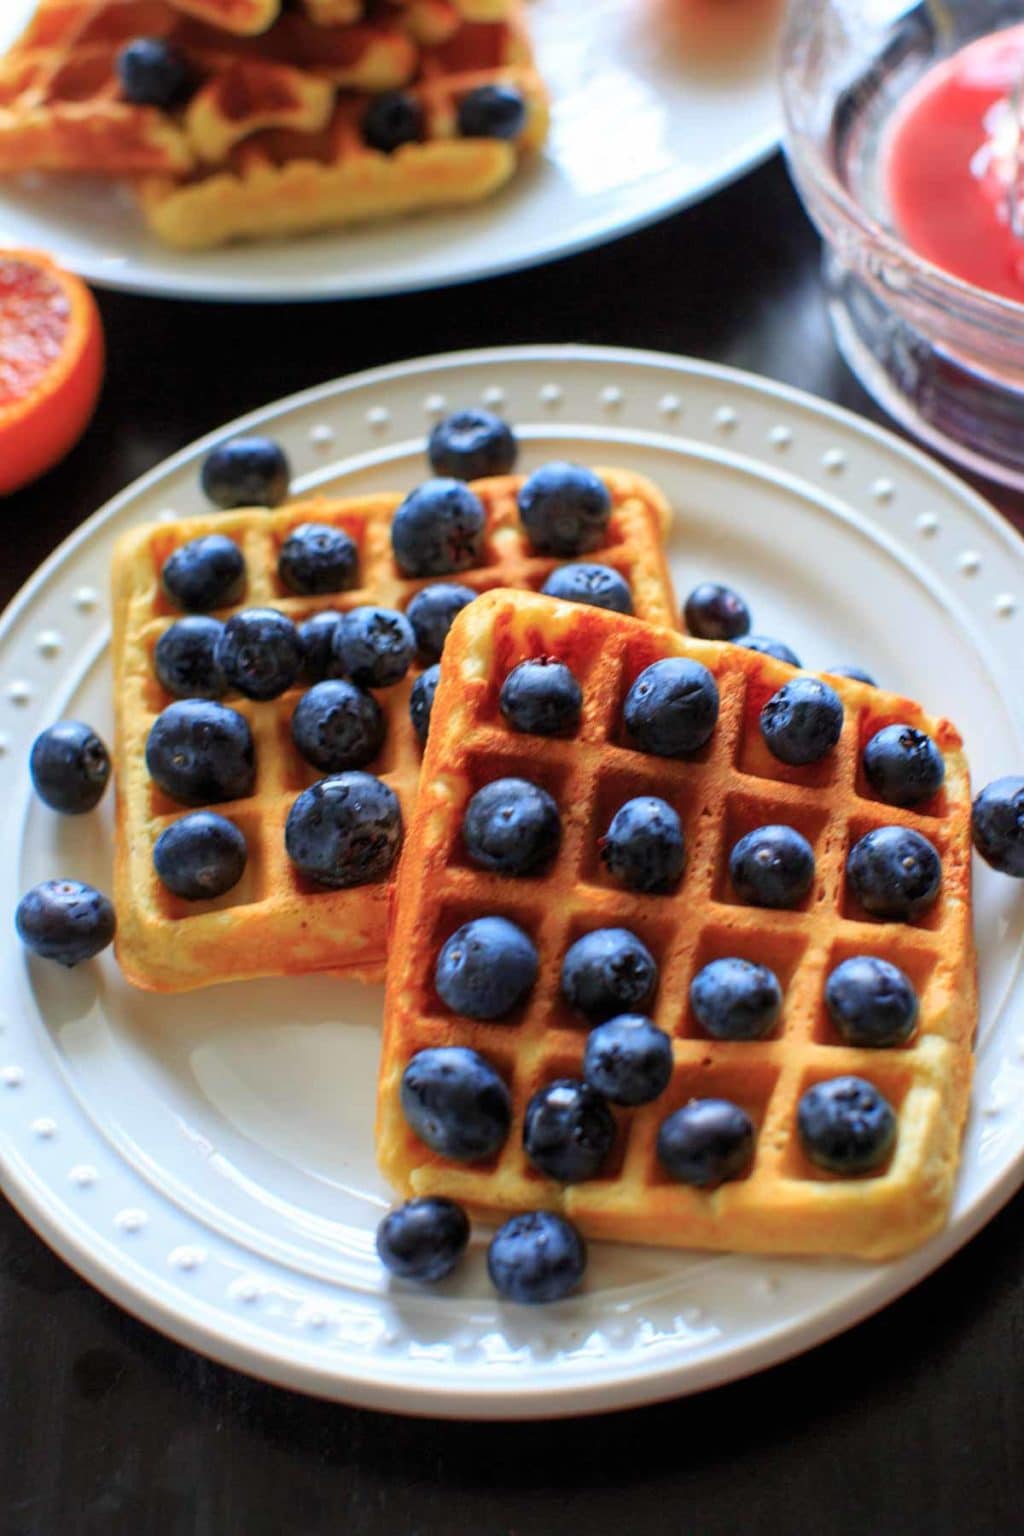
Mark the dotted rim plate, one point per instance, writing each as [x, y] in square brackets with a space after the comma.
[123, 1207]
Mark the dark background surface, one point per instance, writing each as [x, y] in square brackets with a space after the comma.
[912, 1422]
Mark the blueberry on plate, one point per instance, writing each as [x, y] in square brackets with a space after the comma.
[714, 612]
[735, 999]
[204, 573]
[432, 613]
[392, 119]
[345, 830]
[903, 765]
[200, 856]
[70, 767]
[772, 867]
[565, 509]
[200, 752]
[769, 647]
[316, 636]
[568, 1131]
[423, 1239]
[895, 873]
[491, 112]
[375, 645]
[997, 826]
[536, 1257]
[512, 827]
[802, 722]
[154, 73]
[855, 674]
[597, 586]
[541, 697]
[628, 1059]
[316, 558]
[644, 845]
[421, 701]
[706, 1142]
[871, 1002]
[473, 444]
[672, 708]
[438, 529]
[259, 652]
[608, 971]
[246, 472]
[846, 1125]
[456, 1103]
[65, 920]
[486, 968]
[337, 726]
[185, 658]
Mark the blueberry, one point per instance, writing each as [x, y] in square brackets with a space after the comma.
[802, 722]
[316, 636]
[438, 529]
[200, 752]
[423, 1239]
[392, 119]
[375, 645]
[568, 1131]
[316, 558]
[672, 708]
[871, 1002]
[608, 971]
[204, 573]
[456, 1103]
[565, 509]
[535, 1258]
[185, 658]
[154, 73]
[486, 968]
[337, 726]
[903, 765]
[997, 826]
[470, 445]
[260, 652]
[432, 613]
[421, 701]
[855, 674]
[846, 1125]
[769, 647]
[644, 846]
[64, 920]
[345, 830]
[894, 872]
[512, 827]
[246, 472]
[598, 586]
[628, 1059]
[200, 856]
[736, 1000]
[714, 612]
[706, 1142]
[772, 867]
[70, 767]
[541, 697]
[491, 112]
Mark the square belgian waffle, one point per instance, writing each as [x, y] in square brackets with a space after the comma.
[784, 1203]
[276, 922]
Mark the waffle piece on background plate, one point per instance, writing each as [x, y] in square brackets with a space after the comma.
[247, 17]
[276, 922]
[782, 1202]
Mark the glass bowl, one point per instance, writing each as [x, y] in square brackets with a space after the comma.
[943, 357]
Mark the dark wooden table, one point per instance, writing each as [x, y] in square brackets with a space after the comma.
[911, 1423]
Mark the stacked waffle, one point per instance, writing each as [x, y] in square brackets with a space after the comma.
[242, 119]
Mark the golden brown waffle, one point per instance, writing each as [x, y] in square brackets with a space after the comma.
[785, 1204]
[275, 922]
[248, 17]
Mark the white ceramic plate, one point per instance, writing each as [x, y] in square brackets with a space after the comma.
[208, 1161]
[647, 117]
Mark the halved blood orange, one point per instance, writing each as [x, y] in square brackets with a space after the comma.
[51, 364]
